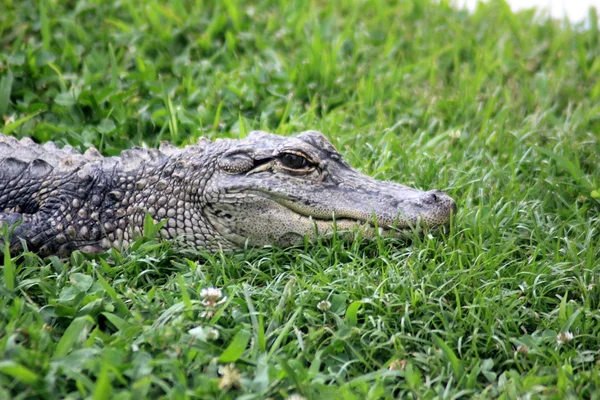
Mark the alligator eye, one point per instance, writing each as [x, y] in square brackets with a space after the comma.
[293, 161]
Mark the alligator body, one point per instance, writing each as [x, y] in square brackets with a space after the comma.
[261, 190]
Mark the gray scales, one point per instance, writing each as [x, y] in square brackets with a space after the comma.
[262, 190]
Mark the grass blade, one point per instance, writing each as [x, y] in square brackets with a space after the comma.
[19, 372]
[569, 166]
[119, 305]
[75, 333]
[237, 347]
[103, 387]
[8, 129]
[5, 90]
[455, 363]
[352, 313]
[9, 266]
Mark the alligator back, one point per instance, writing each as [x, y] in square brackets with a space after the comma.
[61, 193]
[26, 167]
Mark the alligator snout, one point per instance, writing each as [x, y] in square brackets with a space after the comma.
[437, 197]
[432, 208]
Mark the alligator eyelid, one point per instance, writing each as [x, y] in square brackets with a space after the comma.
[261, 167]
[297, 153]
[311, 165]
[292, 151]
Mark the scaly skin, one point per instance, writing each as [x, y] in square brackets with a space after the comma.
[261, 190]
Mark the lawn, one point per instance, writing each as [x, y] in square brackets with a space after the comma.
[499, 109]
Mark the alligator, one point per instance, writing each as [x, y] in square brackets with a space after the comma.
[262, 190]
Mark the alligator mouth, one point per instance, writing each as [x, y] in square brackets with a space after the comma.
[403, 220]
[348, 218]
[292, 219]
[367, 228]
[345, 221]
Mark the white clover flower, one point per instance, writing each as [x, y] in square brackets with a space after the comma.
[564, 337]
[211, 293]
[230, 377]
[522, 349]
[212, 297]
[397, 365]
[204, 334]
[197, 332]
[9, 119]
[212, 334]
[295, 396]
[455, 134]
[323, 305]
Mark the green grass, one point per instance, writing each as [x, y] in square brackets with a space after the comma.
[501, 110]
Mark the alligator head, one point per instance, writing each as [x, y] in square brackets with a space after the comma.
[269, 189]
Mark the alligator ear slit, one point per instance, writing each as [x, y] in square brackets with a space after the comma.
[236, 162]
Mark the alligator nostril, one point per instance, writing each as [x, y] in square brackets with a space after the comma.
[434, 197]
[431, 197]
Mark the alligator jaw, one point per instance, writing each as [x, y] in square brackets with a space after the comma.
[367, 229]
[368, 224]
[403, 221]
[262, 217]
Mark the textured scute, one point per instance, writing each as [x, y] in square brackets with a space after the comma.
[11, 166]
[15, 155]
[137, 157]
[26, 151]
